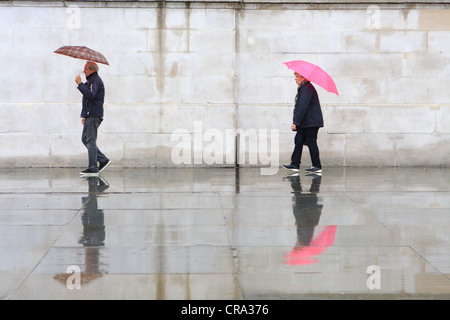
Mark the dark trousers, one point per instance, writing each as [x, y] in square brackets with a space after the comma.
[89, 139]
[306, 136]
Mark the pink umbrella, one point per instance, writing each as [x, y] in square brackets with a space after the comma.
[305, 255]
[313, 73]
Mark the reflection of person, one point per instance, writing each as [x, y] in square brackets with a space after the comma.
[91, 117]
[307, 121]
[306, 209]
[93, 222]
[92, 217]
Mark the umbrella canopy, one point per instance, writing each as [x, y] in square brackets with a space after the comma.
[82, 52]
[313, 73]
[306, 255]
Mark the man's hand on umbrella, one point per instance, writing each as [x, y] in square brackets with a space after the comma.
[78, 79]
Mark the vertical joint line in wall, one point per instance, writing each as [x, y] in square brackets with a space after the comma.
[188, 25]
[435, 129]
[345, 150]
[395, 152]
[160, 65]
[124, 151]
[237, 14]
[236, 150]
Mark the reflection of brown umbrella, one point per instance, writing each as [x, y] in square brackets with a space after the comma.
[84, 278]
[92, 272]
[83, 53]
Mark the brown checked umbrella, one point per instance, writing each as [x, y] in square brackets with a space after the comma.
[82, 52]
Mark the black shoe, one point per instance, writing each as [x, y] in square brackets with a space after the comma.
[103, 166]
[291, 167]
[89, 173]
[314, 170]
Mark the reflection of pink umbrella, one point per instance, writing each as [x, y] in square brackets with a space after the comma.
[304, 255]
[313, 73]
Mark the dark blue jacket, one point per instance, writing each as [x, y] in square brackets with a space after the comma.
[307, 111]
[93, 96]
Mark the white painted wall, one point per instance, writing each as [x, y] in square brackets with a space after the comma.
[176, 67]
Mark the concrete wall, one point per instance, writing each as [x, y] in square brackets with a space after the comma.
[195, 73]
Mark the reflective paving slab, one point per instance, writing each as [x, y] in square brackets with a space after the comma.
[225, 234]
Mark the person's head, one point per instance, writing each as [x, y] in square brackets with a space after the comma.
[299, 79]
[90, 68]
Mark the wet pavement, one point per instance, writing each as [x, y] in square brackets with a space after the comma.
[225, 233]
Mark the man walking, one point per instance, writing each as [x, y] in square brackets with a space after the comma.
[91, 117]
[307, 121]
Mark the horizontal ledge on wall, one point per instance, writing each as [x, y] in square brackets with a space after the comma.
[238, 4]
[137, 2]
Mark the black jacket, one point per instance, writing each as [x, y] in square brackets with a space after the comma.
[93, 96]
[307, 111]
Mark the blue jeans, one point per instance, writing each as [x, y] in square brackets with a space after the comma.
[89, 139]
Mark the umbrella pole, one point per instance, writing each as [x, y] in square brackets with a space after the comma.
[80, 69]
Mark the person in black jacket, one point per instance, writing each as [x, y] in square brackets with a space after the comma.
[91, 117]
[307, 121]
